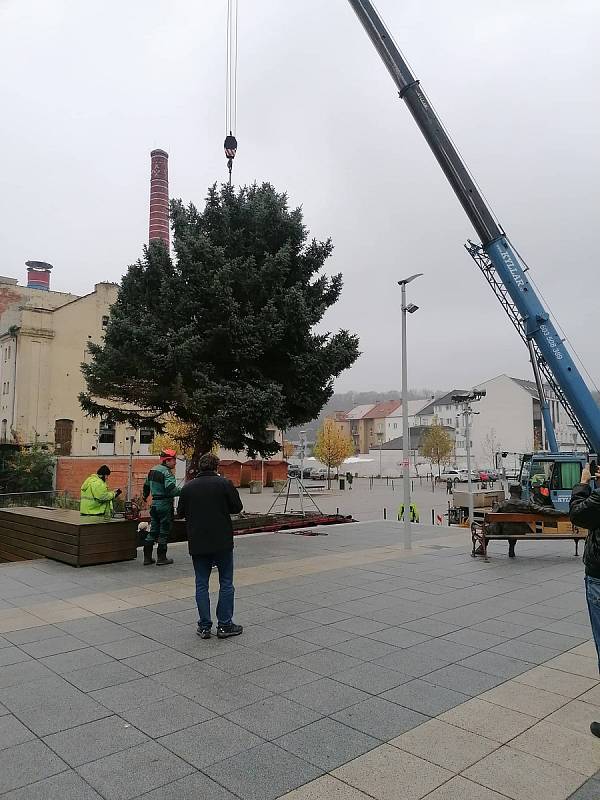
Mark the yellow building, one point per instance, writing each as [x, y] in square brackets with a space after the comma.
[43, 341]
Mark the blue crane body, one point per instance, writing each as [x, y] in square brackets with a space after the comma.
[504, 270]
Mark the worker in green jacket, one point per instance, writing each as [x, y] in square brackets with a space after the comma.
[161, 484]
[414, 512]
[96, 498]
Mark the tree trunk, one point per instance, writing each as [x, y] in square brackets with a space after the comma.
[328, 476]
[203, 443]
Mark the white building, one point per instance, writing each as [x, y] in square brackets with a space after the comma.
[393, 422]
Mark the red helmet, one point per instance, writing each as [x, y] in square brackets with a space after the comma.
[167, 455]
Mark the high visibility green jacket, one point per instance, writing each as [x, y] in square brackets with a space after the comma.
[96, 498]
[161, 484]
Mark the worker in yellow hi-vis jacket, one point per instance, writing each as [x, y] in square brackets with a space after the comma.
[414, 512]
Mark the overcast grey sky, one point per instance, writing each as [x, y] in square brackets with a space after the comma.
[88, 89]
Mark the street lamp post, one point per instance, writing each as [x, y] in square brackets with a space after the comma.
[406, 309]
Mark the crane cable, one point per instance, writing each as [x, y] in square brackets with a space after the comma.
[230, 144]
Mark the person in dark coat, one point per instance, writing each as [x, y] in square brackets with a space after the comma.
[584, 512]
[206, 503]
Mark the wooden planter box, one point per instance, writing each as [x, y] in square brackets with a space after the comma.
[66, 536]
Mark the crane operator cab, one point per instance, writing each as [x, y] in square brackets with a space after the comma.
[548, 478]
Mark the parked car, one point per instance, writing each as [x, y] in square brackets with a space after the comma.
[306, 473]
[451, 474]
[318, 473]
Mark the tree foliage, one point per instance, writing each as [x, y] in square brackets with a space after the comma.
[332, 446]
[222, 338]
[26, 470]
[437, 445]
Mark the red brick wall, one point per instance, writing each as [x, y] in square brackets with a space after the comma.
[72, 471]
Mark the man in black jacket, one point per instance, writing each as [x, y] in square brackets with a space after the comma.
[585, 513]
[207, 502]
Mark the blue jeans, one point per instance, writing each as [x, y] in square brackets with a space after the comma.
[202, 567]
[592, 595]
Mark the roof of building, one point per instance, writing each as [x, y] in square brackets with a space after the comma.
[414, 407]
[415, 437]
[358, 412]
[382, 410]
[529, 386]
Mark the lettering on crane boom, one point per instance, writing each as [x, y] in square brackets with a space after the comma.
[519, 280]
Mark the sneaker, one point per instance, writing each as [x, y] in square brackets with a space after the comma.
[595, 729]
[203, 633]
[225, 631]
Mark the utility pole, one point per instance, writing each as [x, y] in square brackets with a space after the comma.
[406, 309]
[465, 401]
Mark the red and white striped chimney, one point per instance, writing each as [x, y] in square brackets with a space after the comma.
[159, 197]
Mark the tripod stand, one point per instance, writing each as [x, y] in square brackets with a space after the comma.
[302, 493]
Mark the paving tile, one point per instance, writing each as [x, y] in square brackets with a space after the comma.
[382, 771]
[210, 741]
[424, 697]
[398, 636]
[285, 647]
[495, 664]
[526, 699]
[562, 746]
[326, 696]
[100, 676]
[273, 717]
[19, 674]
[557, 681]
[158, 661]
[263, 773]
[64, 786]
[95, 630]
[459, 788]
[358, 626]
[13, 732]
[26, 763]
[324, 635]
[50, 705]
[241, 661]
[327, 744]
[379, 718]
[431, 627]
[575, 665]
[364, 648]
[12, 655]
[325, 788]
[326, 662]
[486, 719]
[75, 659]
[36, 634]
[590, 790]
[131, 694]
[592, 696]
[132, 772]
[193, 787]
[445, 745]
[462, 679]
[285, 625]
[94, 740]
[575, 715]
[474, 638]
[502, 628]
[522, 776]
[443, 650]
[216, 690]
[53, 646]
[281, 677]
[167, 716]
[371, 678]
[134, 645]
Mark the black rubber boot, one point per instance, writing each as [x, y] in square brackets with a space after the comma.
[161, 557]
[595, 729]
[148, 555]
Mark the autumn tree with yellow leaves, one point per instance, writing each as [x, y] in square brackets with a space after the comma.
[332, 447]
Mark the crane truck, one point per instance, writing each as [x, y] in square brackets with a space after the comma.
[506, 272]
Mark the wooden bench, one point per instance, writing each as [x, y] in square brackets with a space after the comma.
[541, 527]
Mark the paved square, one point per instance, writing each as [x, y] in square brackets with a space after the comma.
[365, 671]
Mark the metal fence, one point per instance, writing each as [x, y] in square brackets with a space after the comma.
[50, 498]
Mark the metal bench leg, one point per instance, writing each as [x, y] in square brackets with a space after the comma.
[485, 544]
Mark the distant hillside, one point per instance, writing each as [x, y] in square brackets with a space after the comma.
[344, 401]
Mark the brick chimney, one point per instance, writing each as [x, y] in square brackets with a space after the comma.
[159, 197]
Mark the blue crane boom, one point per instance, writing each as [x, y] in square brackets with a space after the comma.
[496, 257]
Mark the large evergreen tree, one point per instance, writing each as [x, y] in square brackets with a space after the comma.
[223, 336]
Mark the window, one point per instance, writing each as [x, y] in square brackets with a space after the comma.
[4, 429]
[105, 321]
[269, 435]
[146, 435]
[107, 432]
